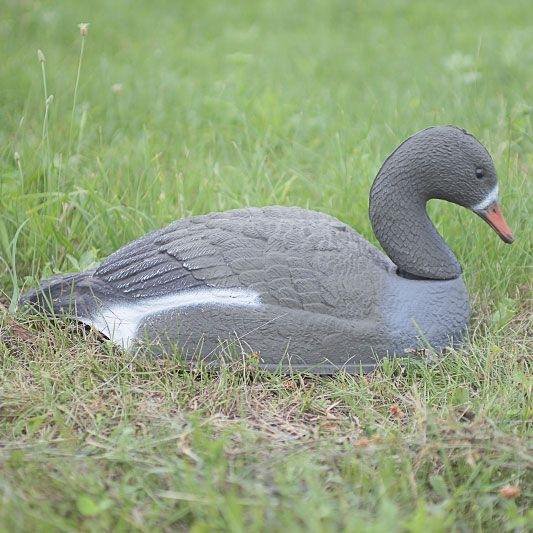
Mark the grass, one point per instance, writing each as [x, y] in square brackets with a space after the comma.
[174, 108]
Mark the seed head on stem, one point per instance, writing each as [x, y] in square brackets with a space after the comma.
[84, 28]
[117, 88]
[16, 156]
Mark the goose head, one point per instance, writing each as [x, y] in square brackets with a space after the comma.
[461, 171]
[443, 162]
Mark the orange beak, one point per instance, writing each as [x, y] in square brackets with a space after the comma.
[493, 216]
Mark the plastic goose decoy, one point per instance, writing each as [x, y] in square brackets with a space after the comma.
[298, 287]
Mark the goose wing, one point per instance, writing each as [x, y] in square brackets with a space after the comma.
[289, 256]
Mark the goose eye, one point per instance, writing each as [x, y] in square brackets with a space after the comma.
[479, 173]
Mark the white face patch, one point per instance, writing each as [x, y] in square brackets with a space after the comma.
[489, 199]
[119, 322]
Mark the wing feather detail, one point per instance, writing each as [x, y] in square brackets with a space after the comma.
[292, 257]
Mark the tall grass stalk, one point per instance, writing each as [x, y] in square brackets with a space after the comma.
[45, 140]
[42, 61]
[84, 29]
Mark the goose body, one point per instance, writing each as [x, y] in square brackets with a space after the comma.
[299, 287]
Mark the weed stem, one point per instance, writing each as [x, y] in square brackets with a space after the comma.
[83, 33]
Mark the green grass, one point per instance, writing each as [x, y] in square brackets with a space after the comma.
[188, 107]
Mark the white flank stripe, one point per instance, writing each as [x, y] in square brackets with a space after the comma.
[119, 322]
[489, 199]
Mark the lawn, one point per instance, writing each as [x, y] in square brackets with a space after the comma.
[171, 108]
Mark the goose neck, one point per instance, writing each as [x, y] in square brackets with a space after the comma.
[400, 222]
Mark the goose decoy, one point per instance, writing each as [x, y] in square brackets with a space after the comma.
[298, 287]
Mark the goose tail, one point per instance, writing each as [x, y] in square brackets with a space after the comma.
[66, 294]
